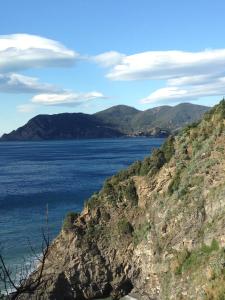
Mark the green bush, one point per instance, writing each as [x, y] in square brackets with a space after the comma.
[116, 191]
[220, 149]
[168, 148]
[209, 249]
[196, 146]
[93, 202]
[69, 220]
[110, 190]
[181, 257]
[175, 183]
[124, 227]
[151, 165]
[189, 127]
[219, 110]
[132, 170]
[130, 193]
[192, 260]
[93, 230]
[141, 232]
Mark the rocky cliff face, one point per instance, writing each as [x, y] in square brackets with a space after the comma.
[155, 229]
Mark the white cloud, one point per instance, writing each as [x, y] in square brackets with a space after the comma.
[187, 93]
[192, 80]
[17, 83]
[187, 75]
[24, 51]
[108, 59]
[165, 94]
[168, 65]
[62, 98]
[65, 98]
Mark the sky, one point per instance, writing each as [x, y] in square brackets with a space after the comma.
[88, 55]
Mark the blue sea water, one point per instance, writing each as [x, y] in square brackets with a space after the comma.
[57, 174]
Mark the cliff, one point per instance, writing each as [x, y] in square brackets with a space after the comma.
[155, 230]
[116, 121]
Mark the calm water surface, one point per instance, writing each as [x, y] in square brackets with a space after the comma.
[60, 174]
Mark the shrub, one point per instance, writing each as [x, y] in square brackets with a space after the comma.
[151, 165]
[132, 170]
[196, 146]
[209, 249]
[196, 180]
[175, 183]
[93, 230]
[116, 192]
[145, 166]
[168, 148]
[189, 127]
[108, 187]
[69, 220]
[218, 110]
[192, 260]
[124, 227]
[220, 149]
[181, 257]
[110, 191]
[141, 232]
[93, 202]
[130, 192]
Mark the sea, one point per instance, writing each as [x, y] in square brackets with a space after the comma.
[52, 178]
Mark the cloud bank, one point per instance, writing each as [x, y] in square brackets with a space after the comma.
[66, 98]
[187, 75]
[19, 52]
[168, 65]
[24, 51]
[108, 59]
[63, 98]
[17, 83]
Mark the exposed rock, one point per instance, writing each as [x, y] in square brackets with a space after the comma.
[155, 229]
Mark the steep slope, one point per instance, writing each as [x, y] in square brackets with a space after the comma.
[149, 118]
[170, 118]
[116, 121]
[62, 126]
[155, 230]
[119, 116]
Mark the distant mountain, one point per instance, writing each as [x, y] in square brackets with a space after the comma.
[170, 118]
[116, 121]
[119, 117]
[61, 126]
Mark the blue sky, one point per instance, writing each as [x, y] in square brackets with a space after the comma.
[87, 55]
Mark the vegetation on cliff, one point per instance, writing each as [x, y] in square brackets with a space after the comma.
[155, 229]
[128, 119]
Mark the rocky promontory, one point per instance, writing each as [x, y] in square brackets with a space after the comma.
[155, 230]
[117, 121]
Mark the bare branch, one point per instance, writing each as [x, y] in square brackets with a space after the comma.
[26, 284]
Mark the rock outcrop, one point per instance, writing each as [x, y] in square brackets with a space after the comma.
[155, 229]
